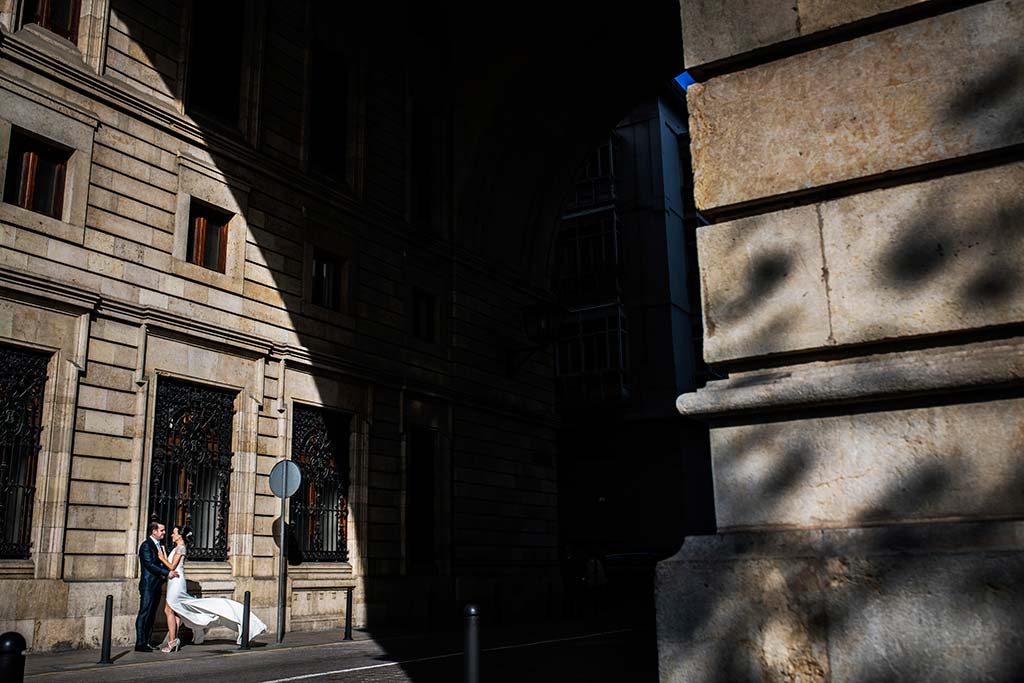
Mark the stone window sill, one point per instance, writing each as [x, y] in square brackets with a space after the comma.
[17, 569]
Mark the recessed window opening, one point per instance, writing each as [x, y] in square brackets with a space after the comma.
[328, 110]
[190, 476]
[22, 383]
[207, 236]
[328, 281]
[36, 171]
[424, 315]
[56, 16]
[214, 81]
[421, 495]
[319, 508]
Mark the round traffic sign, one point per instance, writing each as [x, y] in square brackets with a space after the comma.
[285, 471]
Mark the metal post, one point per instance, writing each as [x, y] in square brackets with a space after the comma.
[348, 614]
[108, 618]
[281, 566]
[12, 657]
[471, 654]
[245, 621]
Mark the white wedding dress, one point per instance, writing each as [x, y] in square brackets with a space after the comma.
[201, 614]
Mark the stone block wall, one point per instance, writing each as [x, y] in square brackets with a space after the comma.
[106, 290]
[860, 163]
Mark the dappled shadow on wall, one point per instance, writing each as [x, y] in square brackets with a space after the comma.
[889, 515]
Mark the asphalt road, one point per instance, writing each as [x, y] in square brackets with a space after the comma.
[535, 655]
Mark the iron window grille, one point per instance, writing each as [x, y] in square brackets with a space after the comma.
[191, 472]
[36, 173]
[22, 384]
[319, 508]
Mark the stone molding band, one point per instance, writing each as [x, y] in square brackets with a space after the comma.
[981, 365]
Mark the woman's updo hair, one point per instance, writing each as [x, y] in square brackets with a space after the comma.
[186, 534]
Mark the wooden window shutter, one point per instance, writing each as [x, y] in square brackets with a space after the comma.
[199, 240]
[222, 259]
[29, 166]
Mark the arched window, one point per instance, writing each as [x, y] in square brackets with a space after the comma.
[189, 481]
[319, 509]
[22, 380]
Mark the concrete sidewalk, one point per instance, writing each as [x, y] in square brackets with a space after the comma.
[48, 663]
[423, 656]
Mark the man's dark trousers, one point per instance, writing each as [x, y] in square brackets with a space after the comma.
[152, 575]
[149, 601]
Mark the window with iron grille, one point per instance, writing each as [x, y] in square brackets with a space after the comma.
[593, 355]
[22, 381]
[191, 472]
[319, 509]
[588, 257]
[207, 236]
[56, 16]
[36, 171]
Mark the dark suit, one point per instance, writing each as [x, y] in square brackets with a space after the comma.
[151, 579]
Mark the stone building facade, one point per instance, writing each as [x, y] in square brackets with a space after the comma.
[227, 240]
[861, 165]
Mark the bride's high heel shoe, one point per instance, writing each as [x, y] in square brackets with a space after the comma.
[172, 646]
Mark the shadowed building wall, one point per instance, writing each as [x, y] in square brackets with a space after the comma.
[633, 474]
[325, 225]
[861, 163]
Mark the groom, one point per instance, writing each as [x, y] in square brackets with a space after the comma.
[152, 577]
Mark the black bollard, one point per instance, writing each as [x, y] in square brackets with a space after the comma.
[245, 622]
[471, 656]
[12, 657]
[108, 618]
[348, 614]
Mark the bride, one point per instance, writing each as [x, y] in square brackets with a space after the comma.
[199, 614]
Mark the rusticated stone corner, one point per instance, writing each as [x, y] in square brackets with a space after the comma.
[896, 603]
[883, 102]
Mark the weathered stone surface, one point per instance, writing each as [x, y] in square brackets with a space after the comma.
[895, 603]
[762, 287]
[937, 256]
[927, 257]
[713, 29]
[977, 366]
[774, 632]
[718, 29]
[879, 103]
[819, 15]
[950, 461]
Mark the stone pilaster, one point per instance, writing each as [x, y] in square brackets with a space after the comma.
[861, 166]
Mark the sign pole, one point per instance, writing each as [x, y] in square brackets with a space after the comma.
[281, 567]
[285, 478]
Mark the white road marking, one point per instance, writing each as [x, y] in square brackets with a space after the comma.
[445, 656]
